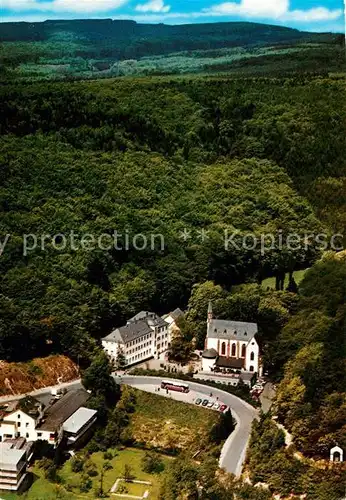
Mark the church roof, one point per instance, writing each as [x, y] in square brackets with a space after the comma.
[233, 330]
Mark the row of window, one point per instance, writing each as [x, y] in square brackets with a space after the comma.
[234, 351]
[163, 337]
[164, 344]
[138, 341]
[139, 347]
[139, 356]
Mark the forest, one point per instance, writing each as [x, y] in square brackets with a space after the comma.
[257, 148]
[157, 156]
[89, 49]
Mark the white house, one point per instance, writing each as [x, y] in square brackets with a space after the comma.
[27, 418]
[145, 336]
[231, 346]
[21, 419]
[171, 319]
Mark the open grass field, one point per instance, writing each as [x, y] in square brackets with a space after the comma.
[170, 425]
[270, 282]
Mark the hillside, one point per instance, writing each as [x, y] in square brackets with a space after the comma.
[21, 378]
[156, 38]
[155, 156]
[102, 48]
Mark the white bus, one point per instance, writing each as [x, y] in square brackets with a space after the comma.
[175, 386]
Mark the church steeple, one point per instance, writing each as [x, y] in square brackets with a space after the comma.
[210, 312]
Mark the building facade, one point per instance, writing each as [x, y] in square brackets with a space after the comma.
[145, 336]
[14, 456]
[29, 419]
[172, 320]
[230, 346]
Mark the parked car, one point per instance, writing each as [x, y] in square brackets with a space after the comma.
[198, 401]
[216, 406]
[223, 408]
[205, 402]
[210, 404]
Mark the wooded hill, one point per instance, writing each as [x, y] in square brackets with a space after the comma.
[157, 38]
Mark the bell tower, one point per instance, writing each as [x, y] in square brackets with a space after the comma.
[210, 312]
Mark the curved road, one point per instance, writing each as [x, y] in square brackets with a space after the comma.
[234, 450]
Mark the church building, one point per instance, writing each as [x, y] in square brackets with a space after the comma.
[230, 346]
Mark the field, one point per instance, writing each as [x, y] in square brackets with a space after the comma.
[169, 425]
[298, 278]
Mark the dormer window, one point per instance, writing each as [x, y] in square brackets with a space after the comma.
[245, 334]
[215, 330]
[225, 331]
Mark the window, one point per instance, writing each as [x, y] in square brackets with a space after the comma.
[27, 434]
[39, 434]
[18, 416]
[51, 436]
[234, 348]
[252, 369]
[223, 348]
[18, 424]
[252, 357]
[27, 424]
[243, 351]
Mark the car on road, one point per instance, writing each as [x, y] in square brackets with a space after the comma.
[210, 404]
[205, 402]
[223, 408]
[216, 406]
[198, 401]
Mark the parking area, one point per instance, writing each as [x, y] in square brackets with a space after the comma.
[192, 397]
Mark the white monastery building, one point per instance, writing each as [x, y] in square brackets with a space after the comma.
[144, 336]
[231, 346]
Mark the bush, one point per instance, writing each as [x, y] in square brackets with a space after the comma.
[85, 484]
[77, 464]
[152, 463]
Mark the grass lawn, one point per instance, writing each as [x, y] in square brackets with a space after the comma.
[42, 489]
[167, 424]
[298, 277]
[134, 489]
[128, 456]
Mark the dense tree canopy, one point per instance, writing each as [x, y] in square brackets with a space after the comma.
[154, 157]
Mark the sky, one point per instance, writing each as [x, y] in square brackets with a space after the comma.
[309, 15]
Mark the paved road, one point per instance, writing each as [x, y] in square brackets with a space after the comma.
[234, 450]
